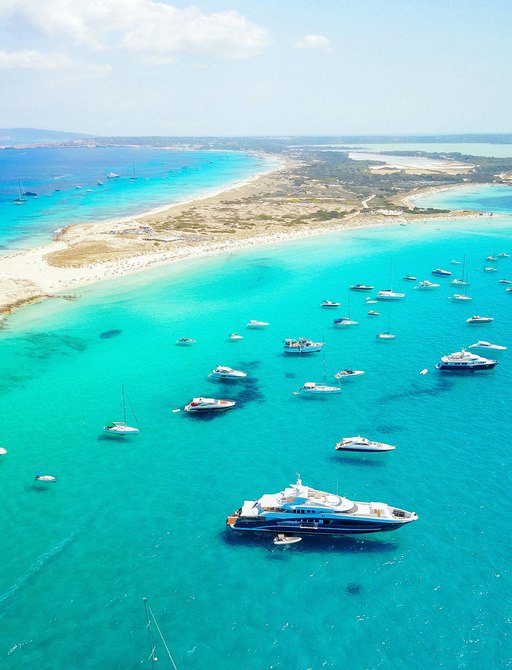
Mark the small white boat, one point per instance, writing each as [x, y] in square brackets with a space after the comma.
[235, 336]
[438, 272]
[121, 428]
[99, 182]
[253, 323]
[508, 290]
[372, 312]
[282, 539]
[3, 451]
[312, 388]
[410, 278]
[112, 175]
[480, 319]
[185, 341]
[224, 372]
[388, 294]
[359, 443]
[489, 268]
[482, 345]
[504, 281]
[459, 282]
[426, 285]
[45, 478]
[385, 336]
[455, 262]
[201, 404]
[371, 301]
[503, 254]
[301, 346]
[347, 374]
[345, 321]
[491, 258]
[361, 287]
[329, 303]
[460, 297]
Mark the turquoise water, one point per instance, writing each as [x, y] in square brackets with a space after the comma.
[146, 516]
[496, 199]
[65, 180]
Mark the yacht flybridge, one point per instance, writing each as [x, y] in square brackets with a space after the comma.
[465, 361]
[301, 346]
[303, 510]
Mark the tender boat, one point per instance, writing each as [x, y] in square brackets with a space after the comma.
[385, 336]
[257, 324]
[345, 321]
[329, 303]
[301, 346]
[388, 294]
[410, 278]
[312, 388]
[3, 451]
[488, 268]
[223, 372]
[426, 285]
[461, 297]
[480, 319]
[359, 443]
[201, 404]
[438, 272]
[185, 341]
[283, 539]
[345, 375]
[372, 312]
[361, 287]
[465, 361]
[308, 511]
[482, 345]
[235, 336]
[45, 478]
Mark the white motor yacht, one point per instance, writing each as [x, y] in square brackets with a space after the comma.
[361, 287]
[410, 278]
[385, 336]
[307, 511]
[201, 404]
[312, 388]
[185, 341]
[455, 262]
[372, 312]
[347, 374]
[329, 303]
[465, 361]
[235, 336]
[426, 285]
[480, 319]
[503, 254]
[509, 290]
[45, 478]
[489, 268]
[253, 323]
[224, 372]
[3, 451]
[491, 258]
[504, 281]
[482, 345]
[359, 443]
[388, 294]
[438, 272]
[301, 346]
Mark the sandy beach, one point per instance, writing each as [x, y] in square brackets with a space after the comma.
[262, 210]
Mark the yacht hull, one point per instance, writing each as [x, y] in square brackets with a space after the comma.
[334, 527]
[459, 369]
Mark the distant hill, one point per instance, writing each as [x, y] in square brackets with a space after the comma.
[22, 136]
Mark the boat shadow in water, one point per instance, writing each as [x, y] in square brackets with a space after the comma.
[416, 391]
[310, 544]
[107, 334]
[373, 460]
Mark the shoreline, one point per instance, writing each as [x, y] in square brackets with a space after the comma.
[116, 251]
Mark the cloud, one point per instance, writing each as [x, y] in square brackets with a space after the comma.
[34, 60]
[143, 26]
[314, 42]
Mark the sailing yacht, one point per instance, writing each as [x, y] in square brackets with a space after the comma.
[463, 280]
[387, 335]
[20, 200]
[346, 320]
[151, 621]
[121, 428]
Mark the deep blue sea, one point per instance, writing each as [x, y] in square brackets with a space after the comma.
[65, 181]
[146, 516]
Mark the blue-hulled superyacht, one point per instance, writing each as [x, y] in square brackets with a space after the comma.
[302, 510]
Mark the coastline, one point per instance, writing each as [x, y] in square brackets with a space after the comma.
[83, 254]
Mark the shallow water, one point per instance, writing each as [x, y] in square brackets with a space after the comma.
[146, 516]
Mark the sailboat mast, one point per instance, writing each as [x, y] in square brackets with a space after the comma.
[150, 632]
[124, 404]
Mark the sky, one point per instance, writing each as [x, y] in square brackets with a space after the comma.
[256, 67]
